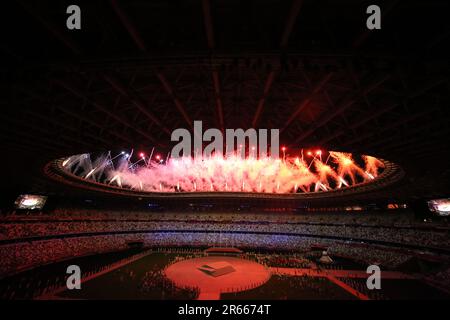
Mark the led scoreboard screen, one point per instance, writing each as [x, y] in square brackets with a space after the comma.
[30, 202]
[440, 206]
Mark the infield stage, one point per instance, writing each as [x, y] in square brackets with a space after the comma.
[190, 273]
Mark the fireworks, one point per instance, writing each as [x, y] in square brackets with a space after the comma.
[232, 173]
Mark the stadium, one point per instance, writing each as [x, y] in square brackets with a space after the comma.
[357, 181]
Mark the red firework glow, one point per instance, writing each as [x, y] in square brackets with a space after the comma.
[231, 173]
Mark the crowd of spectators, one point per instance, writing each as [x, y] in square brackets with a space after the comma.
[293, 260]
[40, 282]
[77, 233]
[403, 218]
[360, 285]
[154, 281]
[19, 256]
[294, 252]
[293, 288]
[375, 228]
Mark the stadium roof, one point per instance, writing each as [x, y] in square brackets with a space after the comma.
[139, 69]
